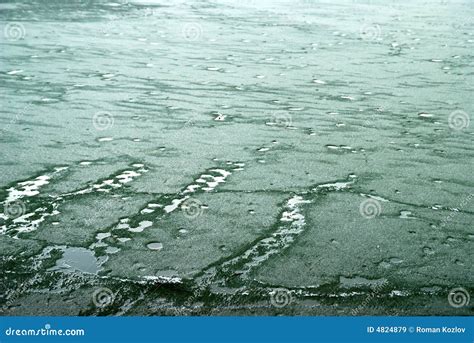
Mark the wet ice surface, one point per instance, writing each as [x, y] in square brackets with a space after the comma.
[194, 157]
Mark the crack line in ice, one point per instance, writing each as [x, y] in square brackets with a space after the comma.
[30, 188]
[30, 221]
[143, 217]
[292, 223]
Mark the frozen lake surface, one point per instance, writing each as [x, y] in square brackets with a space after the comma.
[236, 157]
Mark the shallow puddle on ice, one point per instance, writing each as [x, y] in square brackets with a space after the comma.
[141, 226]
[357, 281]
[77, 259]
[155, 246]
